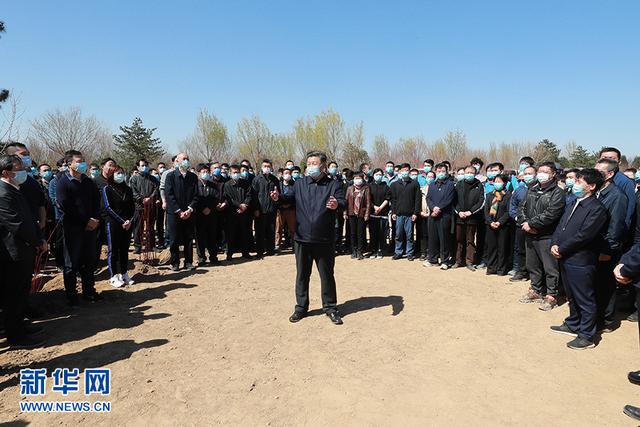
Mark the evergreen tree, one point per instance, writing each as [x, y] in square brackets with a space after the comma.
[136, 142]
[546, 151]
[581, 158]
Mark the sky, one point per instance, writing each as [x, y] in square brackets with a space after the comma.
[502, 71]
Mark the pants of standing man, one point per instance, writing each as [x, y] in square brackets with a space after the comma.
[324, 255]
[378, 233]
[439, 238]
[159, 226]
[358, 233]
[498, 248]
[181, 231]
[57, 245]
[206, 232]
[606, 292]
[466, 243]
[237, 233]
[580, 284]
[286, 218]
[423, 236]
[15, 278]
[79, 257]
[404, 233]
[265, 233]
[542, 266]
[101, 239]
[480, 246]
[341, 240]
[118, 241]
[520, 251]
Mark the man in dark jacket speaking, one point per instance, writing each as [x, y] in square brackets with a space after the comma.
[317, 197]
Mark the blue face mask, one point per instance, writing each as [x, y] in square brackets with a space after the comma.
[578, 190]
[522, 167]
[216, 171]
[205, 177]
[47, 175]
[414, 177]
[570, 182]
[313, 171]
[185, 164]
[441, 175]
[469, 177]
[426, 169]
[20, 177]
[460, 177]
[94, 173]
[492, 174]
[235, 176]
[404, 174]
[430, 180]
[244, 174]
[528, 179]
[498, 186]
[81, 167]
[118, 178]
[26, 161]
[333, 170]
[389, 169]
[295, 175]
[638, 176]
[377, 178]
[143, 169]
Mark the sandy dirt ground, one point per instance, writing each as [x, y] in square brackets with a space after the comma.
[419, 347]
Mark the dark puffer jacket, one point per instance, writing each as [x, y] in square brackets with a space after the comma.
[542, 208]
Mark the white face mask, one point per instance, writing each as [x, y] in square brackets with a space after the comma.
[543, 177]
[286, 177]
[266, 170]
[357, 181]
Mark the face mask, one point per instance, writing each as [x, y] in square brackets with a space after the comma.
[205, 176]
[161, 170]
[460, 177]
[266, 171]
[32, 171]
[469, 177]
[492, 174]
[477, 168]
[235, 176]
[357, 182]
[286, 177]
[543, 177]
[414, 177]
[20, 177]
[295, 175]
[157, 177]
[94, 173]
[313, 171]
[430, 180]
[26, 161]
[522, 167]
[63, 168]
[638, 176]
[498, 186]
[389, 169]
[185, 164]
[290, 167]
[528, 179]
[244, 174]
[427, 169]
[224, 174]
[570, 182]
[81, 167]
[404, 174]
[333, 170]
[441, 175]
[143, 169]
[118, 177]
[216, 171]
[377, 178]
[578, 190]
[47, 175]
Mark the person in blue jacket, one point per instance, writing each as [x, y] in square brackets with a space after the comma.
[623, 182]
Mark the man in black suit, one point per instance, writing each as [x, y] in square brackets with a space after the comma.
[181, 194]
[20, 239]
[576, 244]
[265, 193]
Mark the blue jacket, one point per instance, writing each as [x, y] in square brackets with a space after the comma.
[615, 202]
[442, 194]
[516, 198]
[628, 187]
[78, 199]
[631, 264]
[580, 232]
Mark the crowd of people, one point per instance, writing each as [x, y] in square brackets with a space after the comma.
[572, 233]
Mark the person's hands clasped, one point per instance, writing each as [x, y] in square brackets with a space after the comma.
[332, 203]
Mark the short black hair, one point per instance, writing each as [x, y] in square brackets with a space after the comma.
[69, 155]
[442, 165]
[296, 168]
[632, 170]
[389, 162]
[528, 160]
[504, 177]
[60, 162]
[202, 166]
[414, 170]
[591, 176]
[405, 166]
[234, 166]
[376, 170]
[550, 165]
[333, 162]
[358, 175]
[94, 165]
[430, 161]
[613, 149]
[612, 165]
[7, 161]
[477, 160]
[494, 164]
[289, 161]
[142, 159]
[316, 153]
[267, 161]
[105, 160]
[11, 148]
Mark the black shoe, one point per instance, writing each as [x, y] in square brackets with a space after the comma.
[564, 329]
[214, 261]
[354, 255]
[396, 256]
[632, 411]
[518, 277]
[175, 267]
[32, 330]
[410, 258]
[93, 297]
[188, 266]
[335, 318]
[580, 344]
[633, 317]
[297, 316]
[360, 257]
[490, 272]
[247, 256]
[471, 267]
[74, 301]
[229, 257]
[26, 341]
[33, 313]
[634, 377]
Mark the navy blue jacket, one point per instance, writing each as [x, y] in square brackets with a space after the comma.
[181, 191]
[517, 197]
[628, 188]
[315, 223]
[442, 194]
[615, 202]
[78, 199]
[579, 233]
[631, 267]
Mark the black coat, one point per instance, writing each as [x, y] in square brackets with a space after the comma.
[262, 186]
[579, 235]
[117, 203]
[615, 202]
[502, 213]
[469, 198]
[181, 191]
[209, 196]
[542, 208]
[19, 234]
[237, 193]
[406, 197]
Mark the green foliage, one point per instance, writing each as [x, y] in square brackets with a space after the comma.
[546, 151]
[135, 142]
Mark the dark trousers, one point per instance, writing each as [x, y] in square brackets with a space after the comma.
[357, 226]
[138, 228]
[159, 225]
[498, 248]
[542, 266]
[480, 246]
[466, 243]
[378, 234]
[265, 233]
[15, 283]
[79, 257]
[440, 238]
[580, 284]
[206, 235]
[520, 251]
[57, 243]
[238, 232]
[422, 235]
[339, 227]
[606, 292]
[324, 255]
[118, 240]
[101, 239]
[181, 232]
